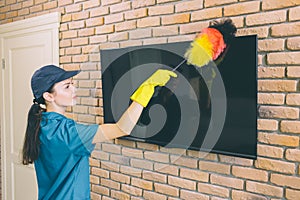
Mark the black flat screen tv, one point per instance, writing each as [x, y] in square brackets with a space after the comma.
[211, 109]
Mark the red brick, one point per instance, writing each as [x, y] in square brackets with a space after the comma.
[120, 7]
[99, 11]
[127, 25]
[119, 195]
[250, 173]
[227, 181]
[24, 11]
[188, 6]
[142, 3]
[277, 85]
[212, 3]
[242, 8]
[36, 8]
[208, 13]
[280, 112]
[147, 146]
[165, 1]
[156, 156]
[266, 18]
[271, 45]
[110, 166]
[195, 27]
[155, 177]
[293, 43]
[188, 195]
[292, 194]
[149, 41]
[262, 188]
[293, 72]
[62, 3]
[131, 171]
[283, 180]
[214, 167]
[235, 160]
[135, 14]
[290, 127]
[166, 189]
[275, 165]
[175, 19]
[182, 183]
[261, 32]
[113, 18]
[95, 196]
[288, 58]
[126, 143]
[275, 4]
[131, 190]
[161, 10]
[118, 36]
[92, 22]
[100, 155]
[99, 172]
[213, 189]
[166, 169]
[183, 161]
[25, 4]
[148, 195]
[267, 124]
[287, 29]
[140, 183]
[293, 155]
[194, 174]
[294, 14]
[73, 8]
[100, 189]
[143, 164]
[165, 31]
[109, 2]
[104, 29]
[269, 151]
[50, 5]
[130, 43]
[278, 139]
[293, 99]
[98, 39]
[148, 22]
[242, 195]
[271, 98]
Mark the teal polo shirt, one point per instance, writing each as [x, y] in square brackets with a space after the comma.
[62, 168]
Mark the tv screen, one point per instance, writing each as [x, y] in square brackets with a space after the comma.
[211, 108]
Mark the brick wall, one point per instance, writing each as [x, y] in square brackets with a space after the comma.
[123, 169]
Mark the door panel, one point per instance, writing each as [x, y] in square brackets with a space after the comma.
[23, 51]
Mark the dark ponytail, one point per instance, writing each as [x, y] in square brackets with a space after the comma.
[32, 140]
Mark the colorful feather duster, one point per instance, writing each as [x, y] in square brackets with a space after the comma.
[210, 43]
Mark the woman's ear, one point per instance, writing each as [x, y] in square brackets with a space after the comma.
[48, 96]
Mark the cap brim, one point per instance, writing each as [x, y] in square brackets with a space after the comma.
[67, 75]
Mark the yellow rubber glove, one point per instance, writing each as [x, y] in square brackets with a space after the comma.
[146, 90]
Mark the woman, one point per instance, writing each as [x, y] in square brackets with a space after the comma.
[58, 146]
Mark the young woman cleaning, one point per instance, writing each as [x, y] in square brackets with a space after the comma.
[58, 146]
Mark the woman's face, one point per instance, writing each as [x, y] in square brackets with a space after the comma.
[64, 93]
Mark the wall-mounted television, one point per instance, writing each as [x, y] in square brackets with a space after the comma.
[211, 109]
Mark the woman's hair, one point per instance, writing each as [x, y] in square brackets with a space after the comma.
[31, 147]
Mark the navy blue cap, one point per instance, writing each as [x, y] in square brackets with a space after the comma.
[45, 77]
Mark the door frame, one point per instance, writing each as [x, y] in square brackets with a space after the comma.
[50, 22]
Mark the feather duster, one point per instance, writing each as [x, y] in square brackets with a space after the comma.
[210, 43]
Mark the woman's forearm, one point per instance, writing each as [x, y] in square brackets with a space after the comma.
[123, 127]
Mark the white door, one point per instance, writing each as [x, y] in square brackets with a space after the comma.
[25, 46]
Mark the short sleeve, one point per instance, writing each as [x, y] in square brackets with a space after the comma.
[86, 134]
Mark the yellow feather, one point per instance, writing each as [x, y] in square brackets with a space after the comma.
[200, 52]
